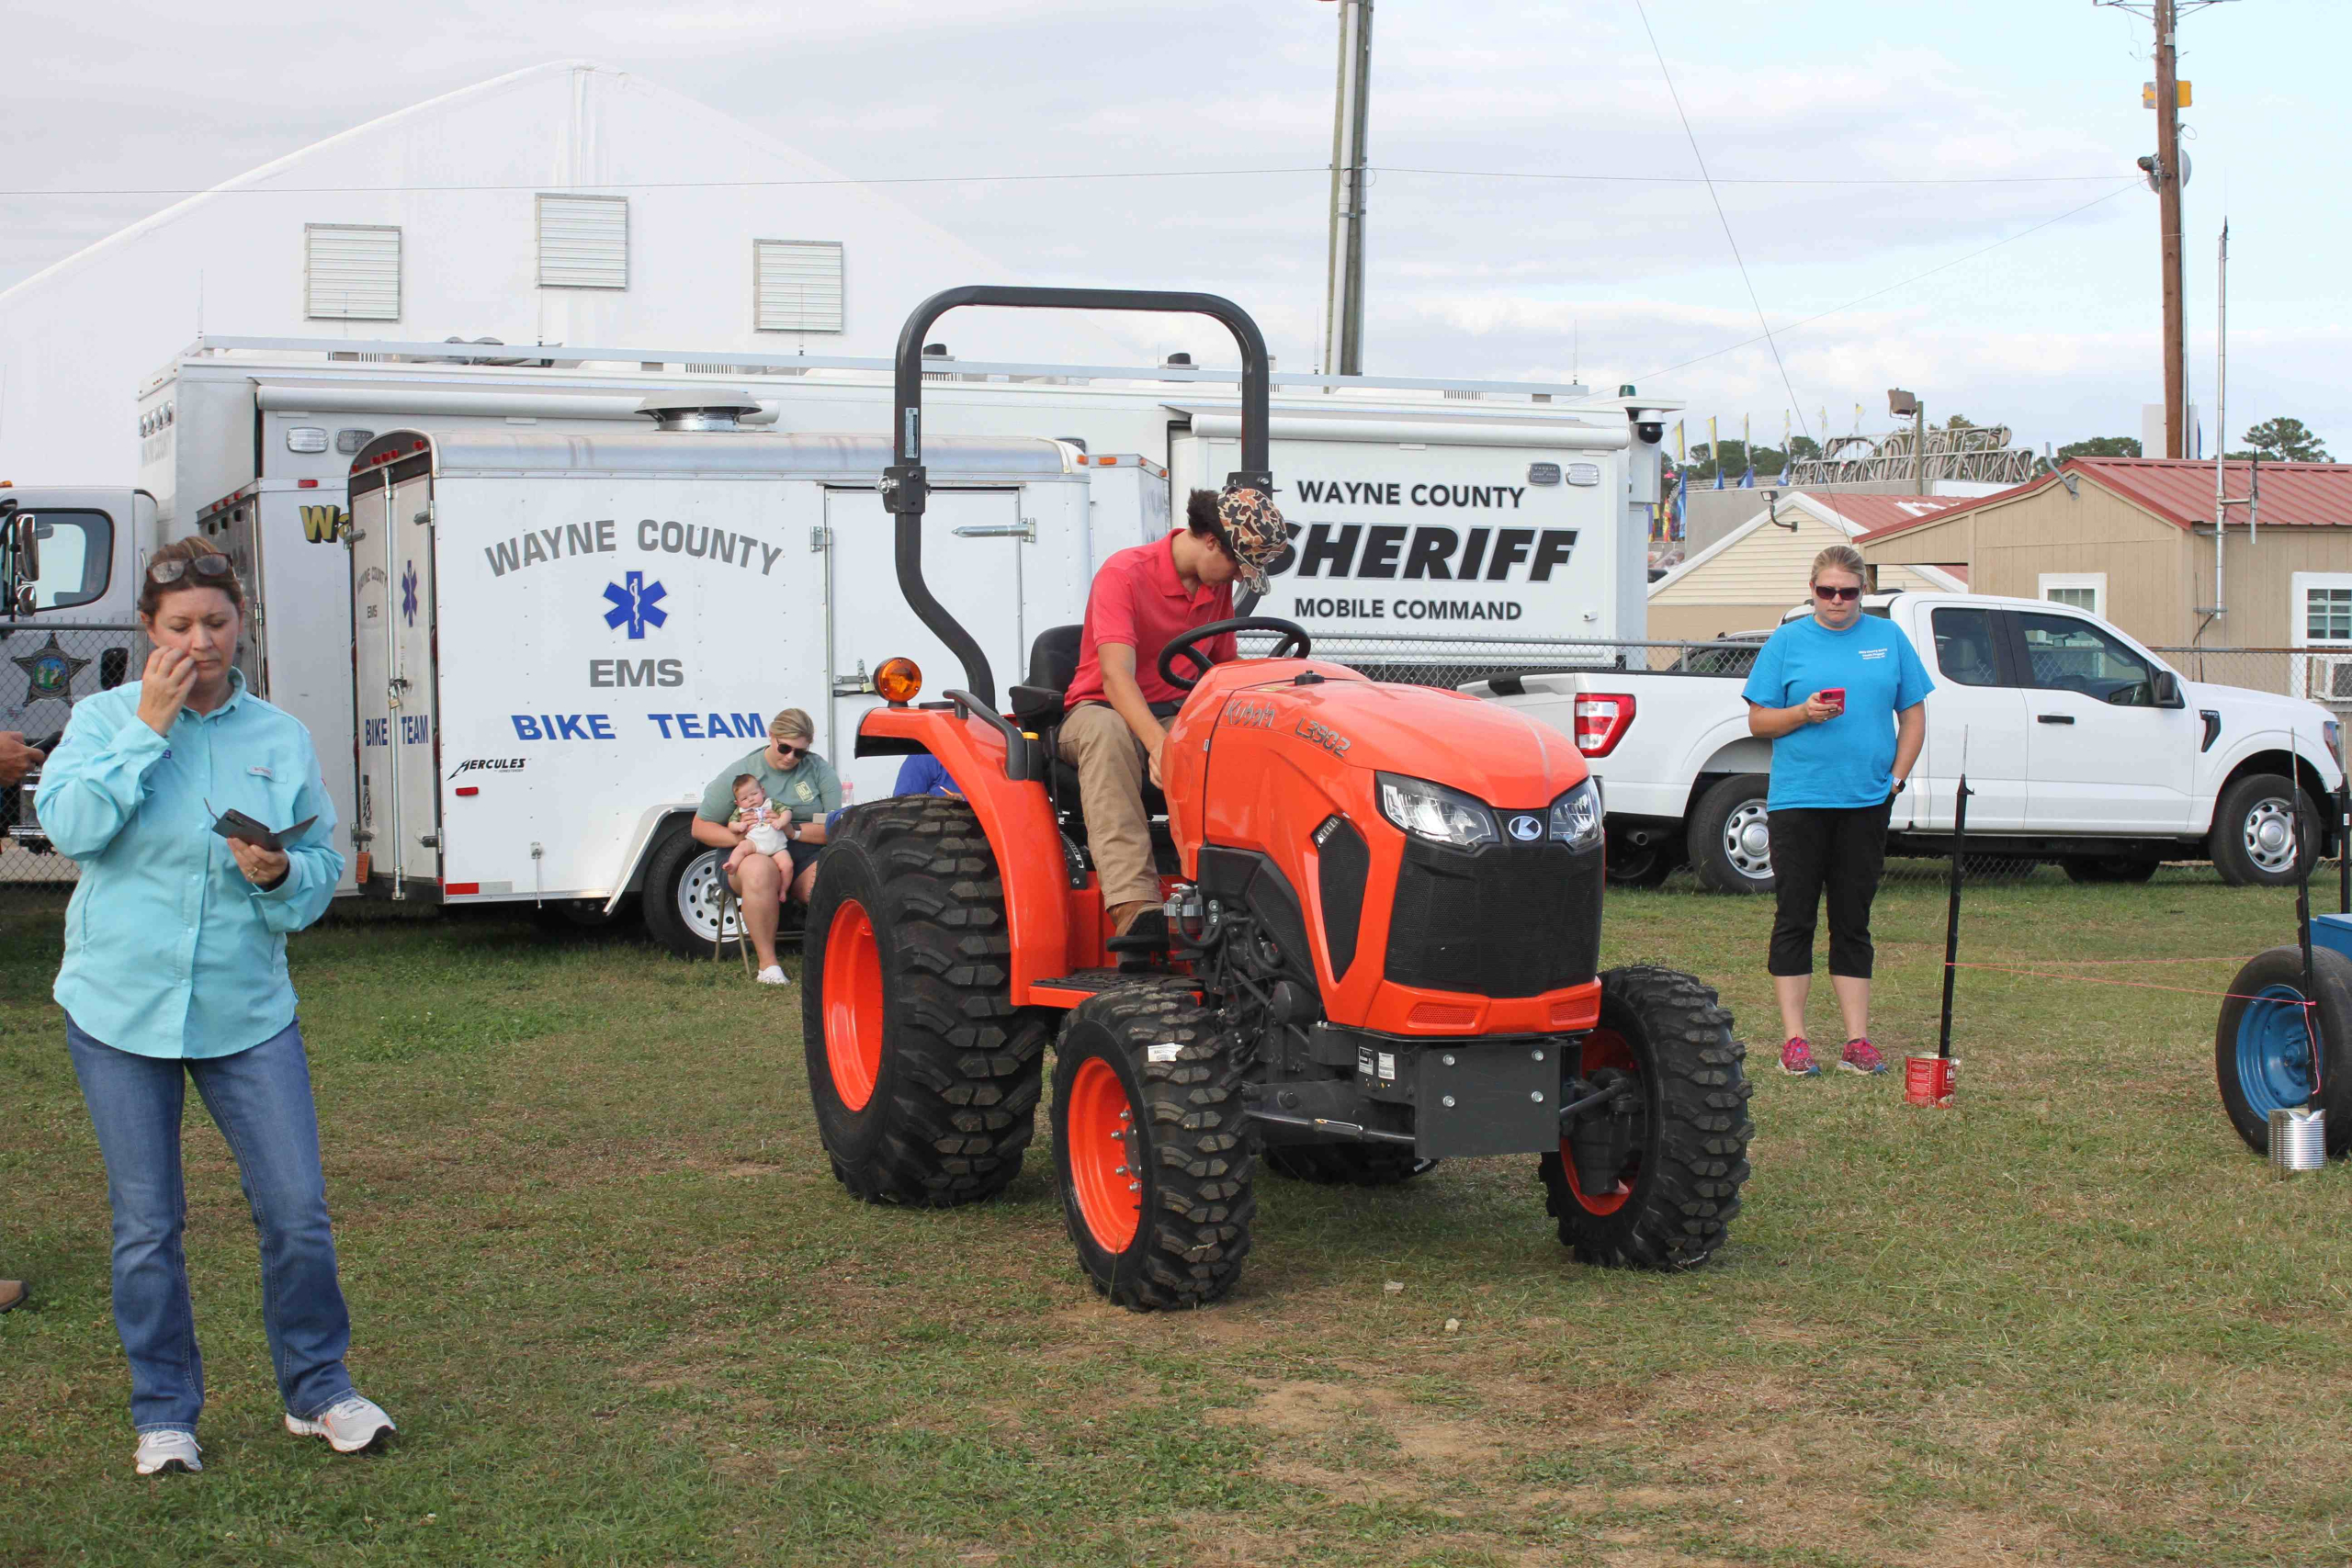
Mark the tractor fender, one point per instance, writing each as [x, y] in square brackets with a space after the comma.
[1015, 814]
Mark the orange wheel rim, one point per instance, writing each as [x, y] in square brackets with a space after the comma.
[853, 1005]
[1104, 1169]
[1605, 1048]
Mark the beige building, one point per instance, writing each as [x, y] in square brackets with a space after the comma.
[2131, 539]
[1747, 580]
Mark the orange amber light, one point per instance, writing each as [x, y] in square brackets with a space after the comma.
[899, 680]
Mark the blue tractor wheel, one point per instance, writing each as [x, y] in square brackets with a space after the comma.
[2266, 1058]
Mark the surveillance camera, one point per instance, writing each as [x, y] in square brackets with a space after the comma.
[1651, 431]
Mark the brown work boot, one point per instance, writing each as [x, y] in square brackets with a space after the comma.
[12, 1294]
[1125, 915]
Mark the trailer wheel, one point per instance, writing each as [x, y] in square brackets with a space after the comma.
[1678, 1151]
[2263, 1055]
[684, 880]
[1347, 1165]
[2257, 827]
[1731, 841]
[925, 1076]
[1155, 1155]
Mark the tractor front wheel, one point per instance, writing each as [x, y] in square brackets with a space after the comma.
[1155, 1155]
[1651, 1179]
[925, 1076]
[2268, 1056]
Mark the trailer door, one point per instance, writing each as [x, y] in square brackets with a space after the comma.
[973, 542]
[394, 688]
[374, 840]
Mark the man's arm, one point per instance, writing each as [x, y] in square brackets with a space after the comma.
[17, 758]
[1910, 734]
[1126, 699]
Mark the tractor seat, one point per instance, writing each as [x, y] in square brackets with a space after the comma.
[1038, 706]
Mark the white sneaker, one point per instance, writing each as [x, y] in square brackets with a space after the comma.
[350, 1426]
[162, 1453]
[774, 975]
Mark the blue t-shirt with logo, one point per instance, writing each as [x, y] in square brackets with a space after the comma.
[1849, 761]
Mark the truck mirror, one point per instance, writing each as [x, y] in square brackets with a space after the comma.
[23, 561]
[2167, 690]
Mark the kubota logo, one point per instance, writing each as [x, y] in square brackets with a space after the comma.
[1526, 829]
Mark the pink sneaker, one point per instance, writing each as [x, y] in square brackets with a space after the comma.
[1860, 1057]
[1796, 1059]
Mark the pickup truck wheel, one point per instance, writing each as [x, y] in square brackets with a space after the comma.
[1629, 864]
[2264, 1052]
[1731, 841]
[2255, 832]
[2109, 868]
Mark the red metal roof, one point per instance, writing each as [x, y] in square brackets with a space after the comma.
[2180, 492]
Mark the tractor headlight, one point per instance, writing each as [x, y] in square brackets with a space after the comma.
[1434, 812]
[1576, 817]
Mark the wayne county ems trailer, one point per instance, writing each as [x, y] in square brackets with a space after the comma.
[561, 638]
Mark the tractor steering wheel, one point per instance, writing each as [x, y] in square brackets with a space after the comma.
[1294, 644]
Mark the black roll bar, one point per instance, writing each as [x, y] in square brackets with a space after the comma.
[906, 490]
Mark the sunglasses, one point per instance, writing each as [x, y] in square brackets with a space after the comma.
[209, 569]
[1843, 595]
[790, 751]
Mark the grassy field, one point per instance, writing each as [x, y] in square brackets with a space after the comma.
[603, 1280]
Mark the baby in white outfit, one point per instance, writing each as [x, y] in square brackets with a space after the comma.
[762, 826]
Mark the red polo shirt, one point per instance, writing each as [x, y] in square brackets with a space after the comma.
[1139, 600]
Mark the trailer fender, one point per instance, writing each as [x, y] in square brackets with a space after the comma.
[649, 824]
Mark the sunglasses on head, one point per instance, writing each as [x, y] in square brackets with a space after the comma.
[211, 569]
[1843, 595]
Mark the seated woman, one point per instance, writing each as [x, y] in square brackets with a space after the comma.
[800, 788]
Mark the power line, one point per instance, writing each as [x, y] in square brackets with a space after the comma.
[1903, 283]
[1642, 10]
[27, 193]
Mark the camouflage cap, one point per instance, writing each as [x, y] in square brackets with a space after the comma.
[1251, 529]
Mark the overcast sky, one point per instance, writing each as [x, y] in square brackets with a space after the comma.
[1469, 274]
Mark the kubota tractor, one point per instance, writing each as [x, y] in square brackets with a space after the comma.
[1384, 922]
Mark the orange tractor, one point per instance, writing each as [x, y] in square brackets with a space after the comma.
[1383, 927]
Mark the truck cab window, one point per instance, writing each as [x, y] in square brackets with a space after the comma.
[1964, 648]
[74, 549]
[2065, 654]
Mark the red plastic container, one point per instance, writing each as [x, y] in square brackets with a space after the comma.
[1928, 1081]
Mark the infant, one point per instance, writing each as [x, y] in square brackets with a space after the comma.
[762, 826]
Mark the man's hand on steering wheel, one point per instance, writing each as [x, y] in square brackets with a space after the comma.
[1293, 643]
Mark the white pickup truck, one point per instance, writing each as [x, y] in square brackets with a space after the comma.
[2080, 747]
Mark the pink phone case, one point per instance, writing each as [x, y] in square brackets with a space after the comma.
[1836, 694]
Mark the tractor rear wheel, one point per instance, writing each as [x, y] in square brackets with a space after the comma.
[925, 1076]
[1155, 1155]
[1347, 1165]
[1682, 1154]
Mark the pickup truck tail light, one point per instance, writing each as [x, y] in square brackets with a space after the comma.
[1602, 720]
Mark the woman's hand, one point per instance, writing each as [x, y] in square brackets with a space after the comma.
[164, 687]
[782, 815]
[263, 868]
[1818, 710]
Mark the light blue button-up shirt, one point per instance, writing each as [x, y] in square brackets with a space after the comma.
[169, 951]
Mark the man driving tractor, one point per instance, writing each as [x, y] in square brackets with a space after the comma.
[1143, 598]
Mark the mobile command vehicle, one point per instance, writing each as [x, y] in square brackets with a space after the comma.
[2080, 745]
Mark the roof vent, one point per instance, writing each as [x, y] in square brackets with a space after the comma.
[692, 410]
[1178, 361]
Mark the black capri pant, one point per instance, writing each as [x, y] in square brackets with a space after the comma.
[1818, 850]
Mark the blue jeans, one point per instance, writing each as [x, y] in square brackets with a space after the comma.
[260, 1099]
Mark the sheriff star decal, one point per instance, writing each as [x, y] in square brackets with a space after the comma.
[48, 672]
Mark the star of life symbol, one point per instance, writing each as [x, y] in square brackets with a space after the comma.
[638, 604]
[408, 594]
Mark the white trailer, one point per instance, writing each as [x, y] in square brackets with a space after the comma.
[564, 638]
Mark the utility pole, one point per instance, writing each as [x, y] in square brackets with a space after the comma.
[2168, 173]
[2168, 220]
[1343, 313]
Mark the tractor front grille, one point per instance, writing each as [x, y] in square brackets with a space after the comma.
[1507, 921]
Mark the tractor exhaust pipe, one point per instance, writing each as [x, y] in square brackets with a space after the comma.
[906, 490]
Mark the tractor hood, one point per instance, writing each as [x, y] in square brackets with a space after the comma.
[1481, 748]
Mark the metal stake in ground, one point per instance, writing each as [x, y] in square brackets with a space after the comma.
[1951, 919]
[2343, 846]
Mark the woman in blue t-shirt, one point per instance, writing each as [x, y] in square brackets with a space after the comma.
[1842, 696]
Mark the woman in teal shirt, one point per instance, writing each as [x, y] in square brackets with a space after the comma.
[176, 970]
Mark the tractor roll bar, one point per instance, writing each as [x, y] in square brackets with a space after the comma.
[906, 490]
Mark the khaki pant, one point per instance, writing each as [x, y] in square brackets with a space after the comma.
[1112, 765]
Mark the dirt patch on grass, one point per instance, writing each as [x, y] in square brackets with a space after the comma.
[1320, 1413]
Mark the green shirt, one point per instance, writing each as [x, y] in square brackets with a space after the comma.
[809, 791]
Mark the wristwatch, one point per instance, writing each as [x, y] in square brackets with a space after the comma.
[1899, 784]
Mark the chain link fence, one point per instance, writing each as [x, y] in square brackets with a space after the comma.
[47, 666]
